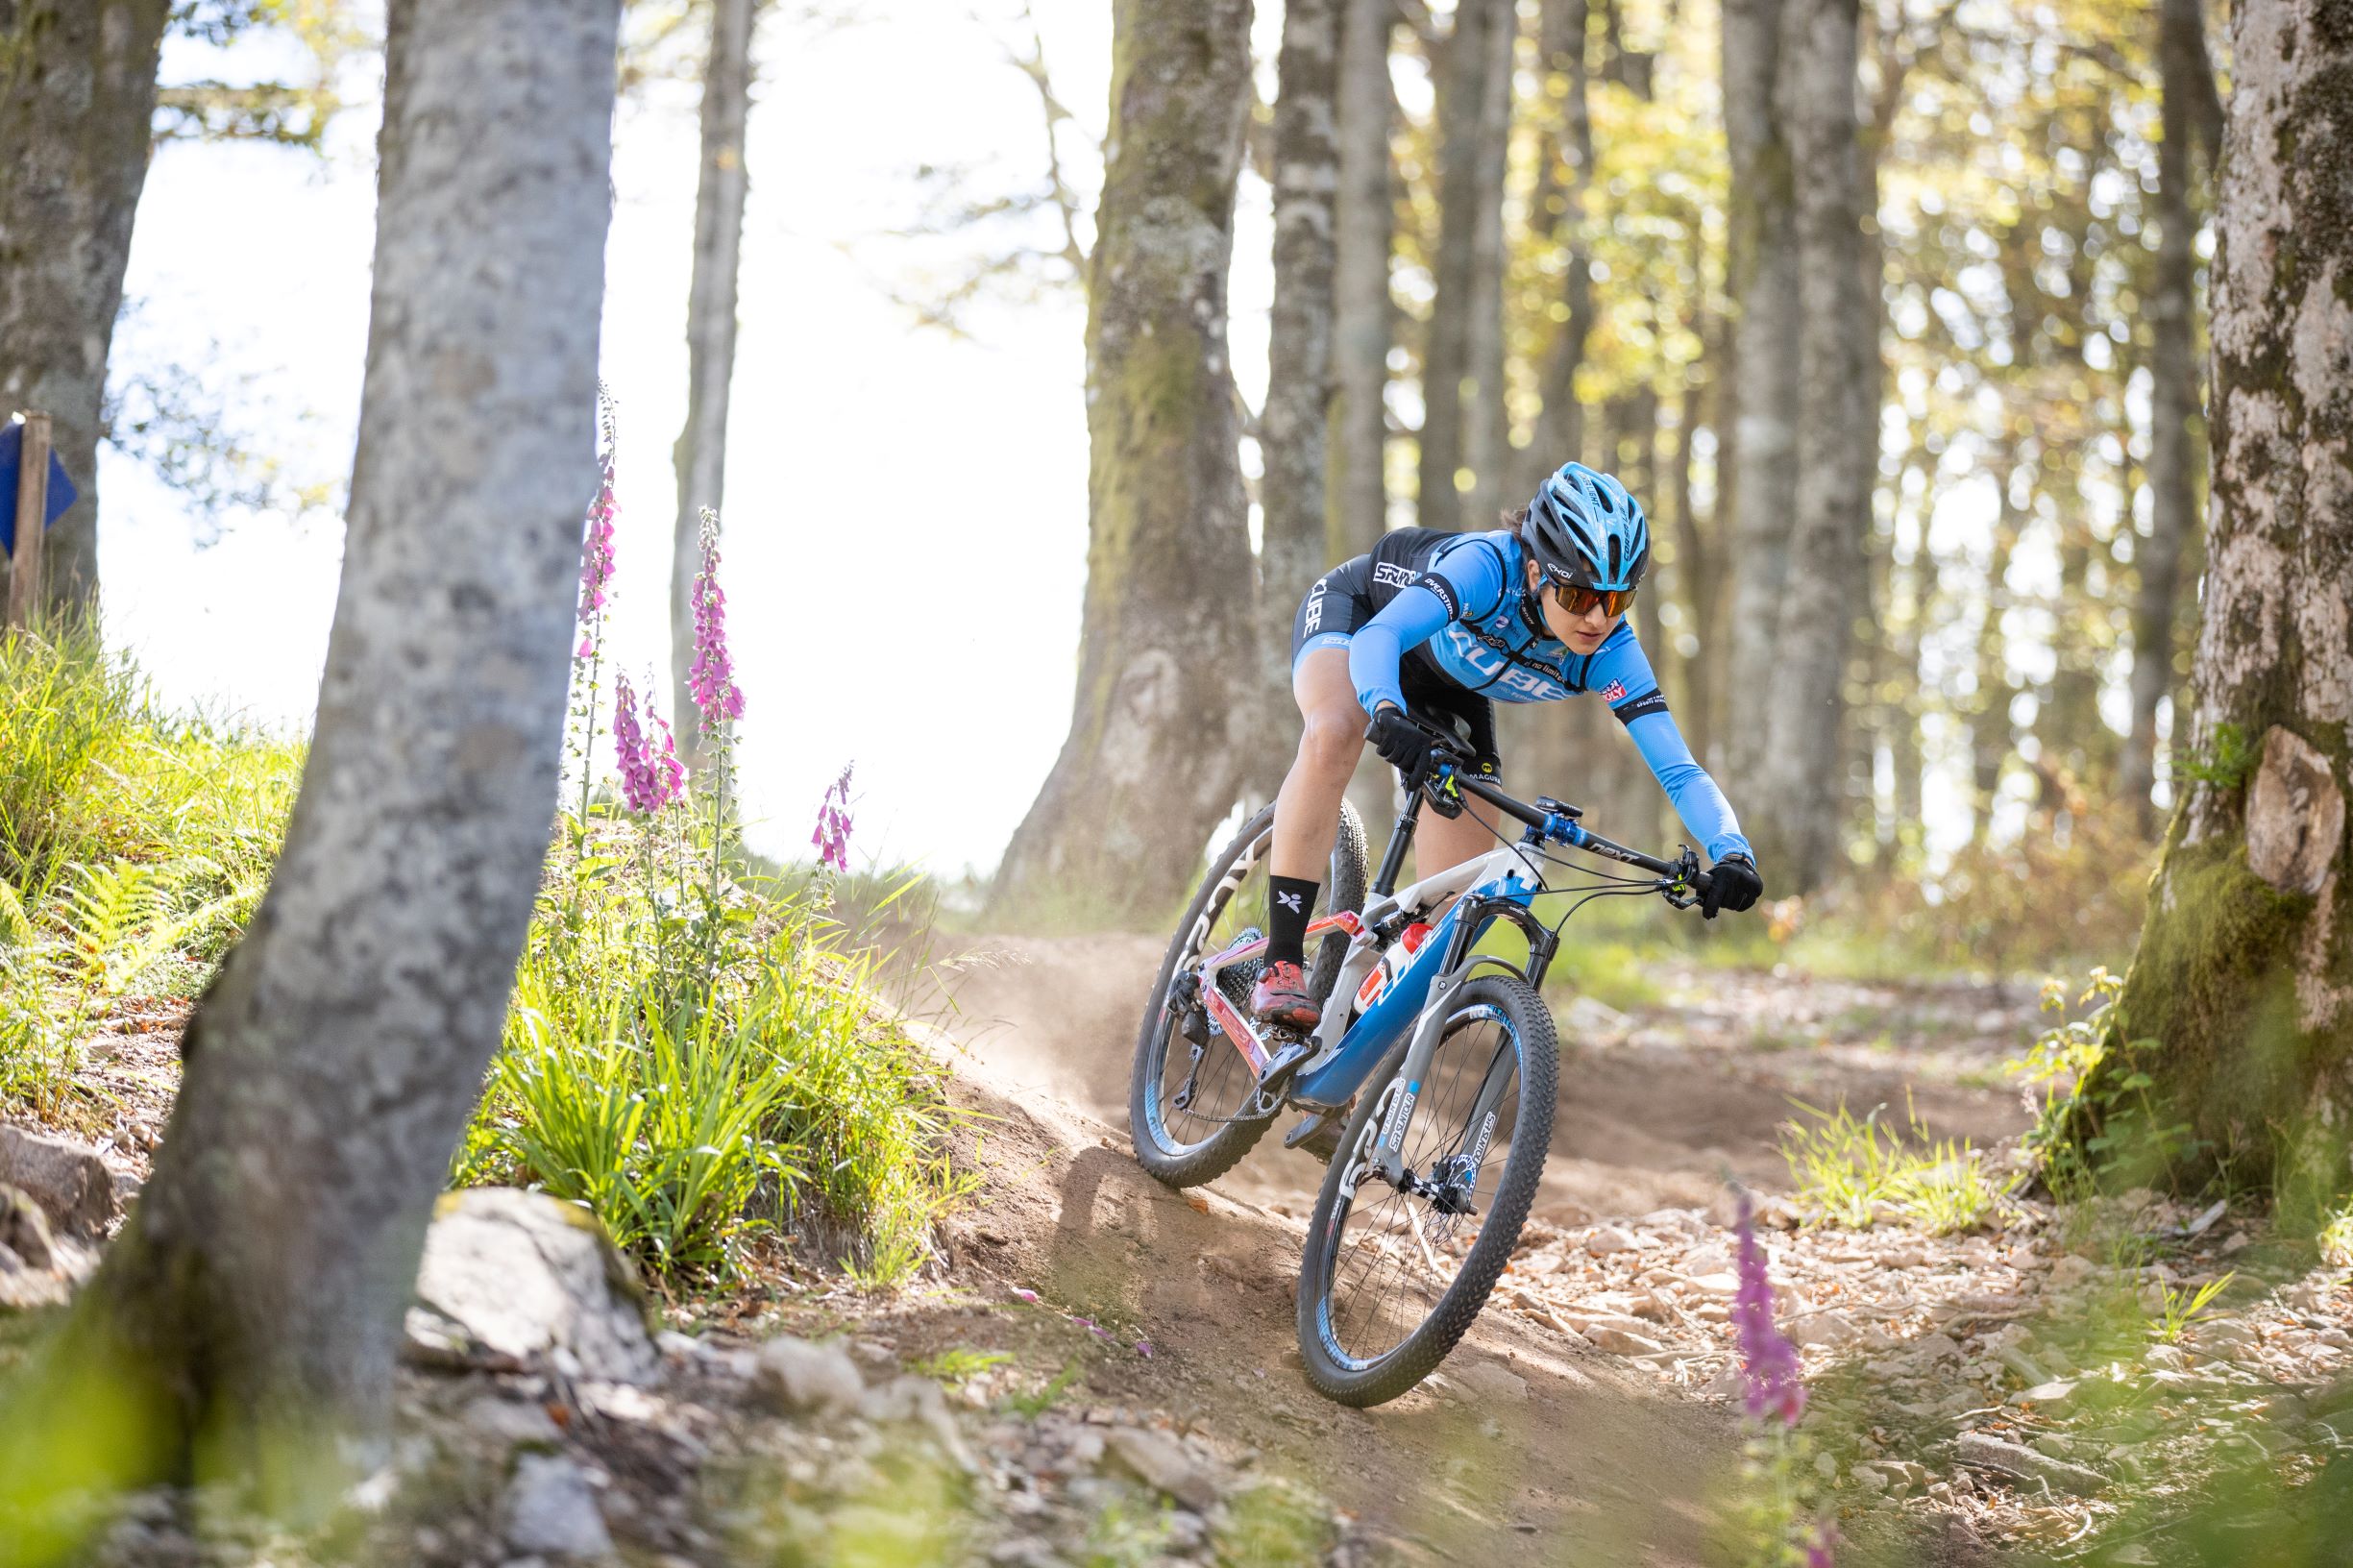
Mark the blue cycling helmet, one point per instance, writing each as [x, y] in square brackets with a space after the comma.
[1585, 530]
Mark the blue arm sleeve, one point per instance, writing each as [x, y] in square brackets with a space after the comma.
[1408, 620]
[1706, 815]
[1457, 583]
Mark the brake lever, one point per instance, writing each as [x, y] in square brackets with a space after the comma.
[1689, 883]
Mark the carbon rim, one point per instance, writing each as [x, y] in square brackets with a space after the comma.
[1391, 1256]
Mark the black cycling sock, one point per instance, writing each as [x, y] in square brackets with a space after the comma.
[1289, 901]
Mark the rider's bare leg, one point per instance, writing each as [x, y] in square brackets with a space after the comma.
[1308, 807]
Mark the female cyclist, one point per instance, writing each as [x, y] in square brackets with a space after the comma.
[1439, 625]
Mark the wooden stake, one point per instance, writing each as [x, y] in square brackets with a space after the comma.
[32, 515]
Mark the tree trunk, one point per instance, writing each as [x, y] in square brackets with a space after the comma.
[700, 457]
[1487, 440]
[1761, 281]
[1698, 573]
[1293, 426]
[1560, 421]
[1462, 111]
[1992, 732]
[253, 1300]
[1358, 494]
[2173, 400]
[1164, 720]
[77, 91]
[2245, 976]
[2071, 738]
[1364, 319]
[1800, 788]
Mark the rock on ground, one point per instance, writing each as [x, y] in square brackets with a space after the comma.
[1980, 1452]
[801, 1377]
[550, 1507]
[1160, 1461]
[917, 1400]
[68, 1179]
[529, 1278]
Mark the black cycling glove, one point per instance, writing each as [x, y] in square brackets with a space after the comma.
[1732, 884]
[1402, 744]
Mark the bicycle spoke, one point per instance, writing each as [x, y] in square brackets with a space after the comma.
[1397, 1252]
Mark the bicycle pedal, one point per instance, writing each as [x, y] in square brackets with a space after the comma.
[1289, 1051]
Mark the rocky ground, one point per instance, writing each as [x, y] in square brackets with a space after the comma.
[1098, 1371]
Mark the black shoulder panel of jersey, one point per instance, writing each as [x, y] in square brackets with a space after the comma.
[1651, 702]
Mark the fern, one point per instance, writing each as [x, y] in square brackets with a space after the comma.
[16, 926]
[104, 908]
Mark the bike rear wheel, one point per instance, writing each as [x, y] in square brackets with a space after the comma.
[1390, 1279]
[1187, 1093]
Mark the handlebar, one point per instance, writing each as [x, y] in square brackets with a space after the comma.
[1547, 818]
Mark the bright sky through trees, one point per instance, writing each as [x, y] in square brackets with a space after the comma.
[907, 519]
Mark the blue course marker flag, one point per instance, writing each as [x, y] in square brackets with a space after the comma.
[61, 491]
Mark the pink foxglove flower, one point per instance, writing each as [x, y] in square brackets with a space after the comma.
[832, 835]
[649, 778]
[711, 678]
[670, 773]
[1768, 1360]
[597, 547]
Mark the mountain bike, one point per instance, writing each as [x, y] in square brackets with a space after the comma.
[1428, 1082]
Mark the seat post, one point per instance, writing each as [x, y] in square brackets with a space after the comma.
[1401, 838]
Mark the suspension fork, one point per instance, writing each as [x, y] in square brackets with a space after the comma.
[1386, 1155]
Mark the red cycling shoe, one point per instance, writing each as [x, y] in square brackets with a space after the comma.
[1281, 997]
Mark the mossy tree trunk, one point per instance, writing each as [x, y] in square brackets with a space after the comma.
[1363, 326]
[1167, 710]
[1464, 112]
[1759, 459]
[244, 1322]
[1794, 800]
[2191, 114]
[700, 455]
[1293, 426]
[77, 93]
[2243, 983]
[1561, 178]
[1363, 318]
[1486, 423]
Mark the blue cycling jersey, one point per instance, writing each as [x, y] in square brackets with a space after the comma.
[1468, 611]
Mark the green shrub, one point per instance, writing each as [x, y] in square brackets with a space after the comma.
[699, 1076]
[133, 847]
[1849, 1169]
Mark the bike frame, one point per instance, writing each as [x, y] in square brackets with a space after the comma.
[1500, 885]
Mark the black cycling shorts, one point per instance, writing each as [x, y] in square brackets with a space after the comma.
[1340, 601]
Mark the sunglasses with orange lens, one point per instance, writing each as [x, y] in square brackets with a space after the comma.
[1578, 600]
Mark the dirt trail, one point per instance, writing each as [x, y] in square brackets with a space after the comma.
[1585, 1456]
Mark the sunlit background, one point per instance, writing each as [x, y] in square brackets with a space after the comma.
[906, 516]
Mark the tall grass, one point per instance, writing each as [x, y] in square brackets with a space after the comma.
[133, 846]
[700, 1084]
[1852, 1169]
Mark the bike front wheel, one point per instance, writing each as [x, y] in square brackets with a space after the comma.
[1391, 1276]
